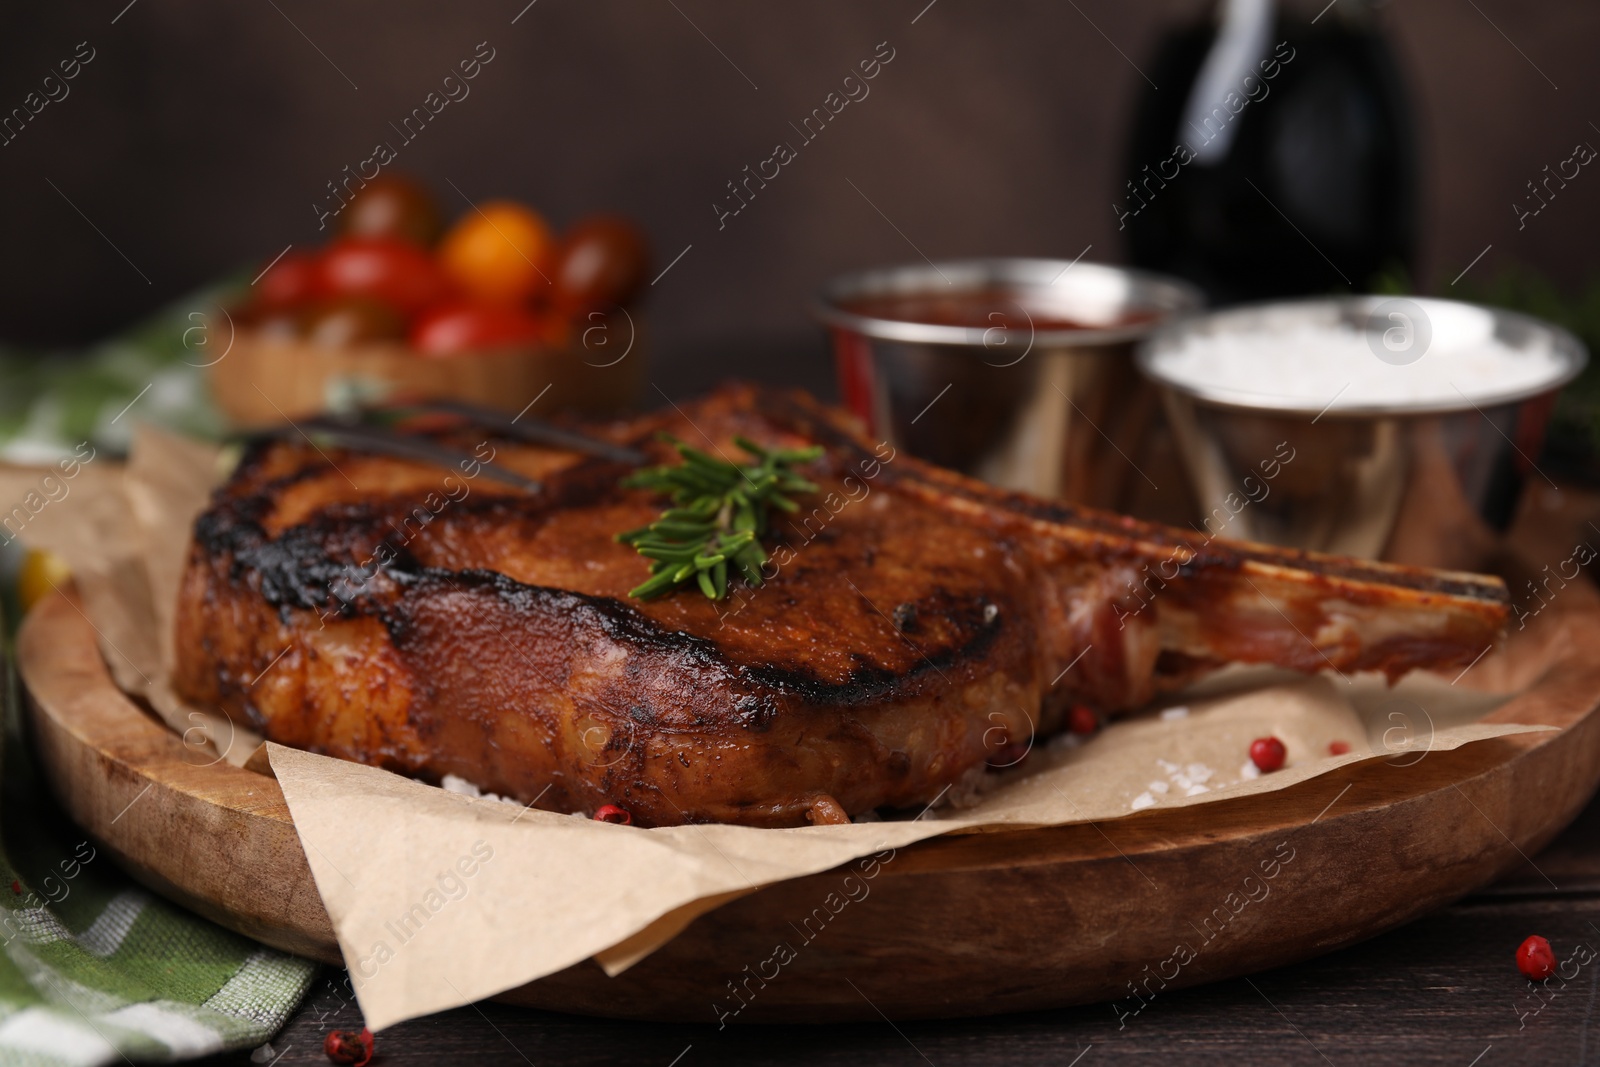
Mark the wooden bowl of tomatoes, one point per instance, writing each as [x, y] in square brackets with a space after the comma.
[498, 310]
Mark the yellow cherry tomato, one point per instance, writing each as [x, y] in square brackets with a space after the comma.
[41, 573]
[500, 252]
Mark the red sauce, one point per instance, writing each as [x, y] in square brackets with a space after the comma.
[982, 309]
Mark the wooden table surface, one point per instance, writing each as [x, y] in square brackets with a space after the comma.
[1444, 990]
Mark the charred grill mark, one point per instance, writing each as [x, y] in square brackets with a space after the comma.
[331, 564]
[315, 566]
[294, 570]
[622, 624]
[249, 485]
[251, 460]
[975, 629]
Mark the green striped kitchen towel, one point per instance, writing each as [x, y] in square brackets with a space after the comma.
[111, 972]
[97, 970]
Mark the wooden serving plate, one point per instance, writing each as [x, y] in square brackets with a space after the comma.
[965, 925]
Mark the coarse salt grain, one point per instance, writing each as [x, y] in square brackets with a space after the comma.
[1303, 364]
[968, 790]
[454, 784]
[1179, 712]
[451, 783]
[1190, 779]
[1142, 801]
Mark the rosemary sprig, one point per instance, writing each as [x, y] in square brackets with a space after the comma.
[718, 517]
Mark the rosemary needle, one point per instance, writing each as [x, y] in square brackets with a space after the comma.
[718, 516]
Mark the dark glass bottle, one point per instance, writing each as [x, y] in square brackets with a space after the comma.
[1276, 158]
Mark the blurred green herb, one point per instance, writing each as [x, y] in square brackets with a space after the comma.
[719, 515]
[52, 399]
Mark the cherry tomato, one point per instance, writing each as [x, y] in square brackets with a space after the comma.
[351, 320]
[500, 252]
[468, 326]
[290, 281]
[602, 263]
[395, 272]
[392, 205]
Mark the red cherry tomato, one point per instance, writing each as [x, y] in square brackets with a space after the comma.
[602, 263]
[385, 269]
[392, 205]
[465, 326]
[290, 281]
[351, 321]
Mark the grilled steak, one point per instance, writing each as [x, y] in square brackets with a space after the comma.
[439, 622]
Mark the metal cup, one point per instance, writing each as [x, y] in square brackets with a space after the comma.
[1010, 395]
[1430, 483]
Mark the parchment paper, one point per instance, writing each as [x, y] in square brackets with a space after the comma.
[440, 899]
[123, 528]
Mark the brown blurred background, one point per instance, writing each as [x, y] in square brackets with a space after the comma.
[200, 135]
